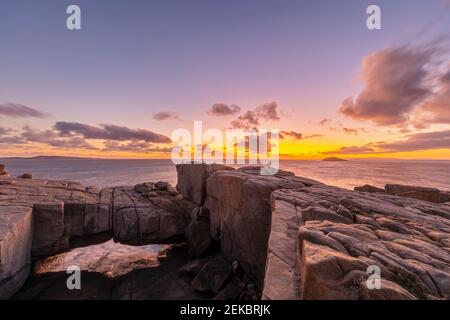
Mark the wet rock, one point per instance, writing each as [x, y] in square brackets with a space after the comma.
[111, 259]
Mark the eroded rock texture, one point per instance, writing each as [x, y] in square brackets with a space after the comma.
[15, 247]
[142, 216]
[239, 203]
[192, 180]
[324, 239]
[40, 218]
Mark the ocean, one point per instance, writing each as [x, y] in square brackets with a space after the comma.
[348, 174]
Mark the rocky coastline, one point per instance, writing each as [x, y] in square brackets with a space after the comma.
[228, 234]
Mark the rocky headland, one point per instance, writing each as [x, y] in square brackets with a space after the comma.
[228, 234]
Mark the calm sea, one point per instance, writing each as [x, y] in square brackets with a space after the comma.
[104, 173]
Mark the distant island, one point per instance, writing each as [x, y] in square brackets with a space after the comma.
[333, 159]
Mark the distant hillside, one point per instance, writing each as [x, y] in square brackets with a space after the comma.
[48, 158]
[333, 159]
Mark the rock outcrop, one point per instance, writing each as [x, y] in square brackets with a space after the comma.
[16, 223]
[315, 257]
[198, 234]
[369, 188]
[275, 237]
[109, 258]
[239, 202]
[40, 218]
[144, 217]
[192, 178]
[3, 170]
[421, 193]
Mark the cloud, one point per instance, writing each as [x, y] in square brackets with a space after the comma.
[324, 122]
[52, 139]
[418, 142]
[109, 132]
[222, 109]
[15, 110]
[395, 82]
[268, 111]
[292, 134]
[252, 118]
[312, 136]
[4, 131]
[350, 131]
[351, 150]
[412, 142]
[134, 146]
[165, 115]
[436, 109]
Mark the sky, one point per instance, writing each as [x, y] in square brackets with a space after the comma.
[138, 70]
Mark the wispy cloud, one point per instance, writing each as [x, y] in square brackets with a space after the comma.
[222, 109]
[291, 134]
[412, 142]
[109, 132]
[165, 115]
[15, 110]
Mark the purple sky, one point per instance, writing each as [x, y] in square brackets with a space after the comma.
[133, 59]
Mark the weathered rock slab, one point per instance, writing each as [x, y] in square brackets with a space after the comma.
[16, 224]
[239, 202]
[192, 180]
[407, 240]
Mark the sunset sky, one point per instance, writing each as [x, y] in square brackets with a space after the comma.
[137, 70]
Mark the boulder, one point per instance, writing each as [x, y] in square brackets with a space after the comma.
[369, 188]
[213, 275]
[192, 180]
[162, 185]
[26, 176]
[49, 237]
[230, 292]
[422, 193]
[16, 232]
[405, 239]
[68, 215]
[109, 258]
[146, 218]
[3, 170]
[193, 267]
[197, 233]
[239, 202]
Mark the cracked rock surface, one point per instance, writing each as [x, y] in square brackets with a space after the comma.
[326, 255]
